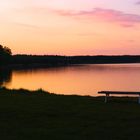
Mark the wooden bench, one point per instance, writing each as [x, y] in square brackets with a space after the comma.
[107, 93]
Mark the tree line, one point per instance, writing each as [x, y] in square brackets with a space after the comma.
[6, 58]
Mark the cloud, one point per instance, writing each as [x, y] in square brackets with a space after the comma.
[27, 25]
[138, 3]
[107, 15]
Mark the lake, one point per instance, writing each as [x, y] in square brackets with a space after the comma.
[76, 79]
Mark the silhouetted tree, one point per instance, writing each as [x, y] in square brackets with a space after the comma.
[5, 54]
[5, 50]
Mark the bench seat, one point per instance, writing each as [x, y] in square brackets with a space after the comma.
[107, 93]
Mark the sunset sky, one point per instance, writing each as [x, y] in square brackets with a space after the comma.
[70, 27]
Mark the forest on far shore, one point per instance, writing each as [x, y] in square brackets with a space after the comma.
[6, 58]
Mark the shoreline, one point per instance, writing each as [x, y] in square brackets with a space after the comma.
[37, 66]
[41, 91]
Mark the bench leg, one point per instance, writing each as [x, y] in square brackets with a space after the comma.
[139, 99]
[107, 95]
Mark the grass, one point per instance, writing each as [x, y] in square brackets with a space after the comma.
[39, 115]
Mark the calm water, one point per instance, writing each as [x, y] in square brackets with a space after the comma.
[79, 79]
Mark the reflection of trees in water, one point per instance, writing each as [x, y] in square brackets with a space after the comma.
[5, 76]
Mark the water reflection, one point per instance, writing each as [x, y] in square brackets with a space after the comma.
[5, 76]
[79, 79]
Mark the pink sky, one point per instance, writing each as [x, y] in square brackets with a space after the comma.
[69, 27]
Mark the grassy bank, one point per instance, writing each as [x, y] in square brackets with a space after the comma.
[39, 115]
